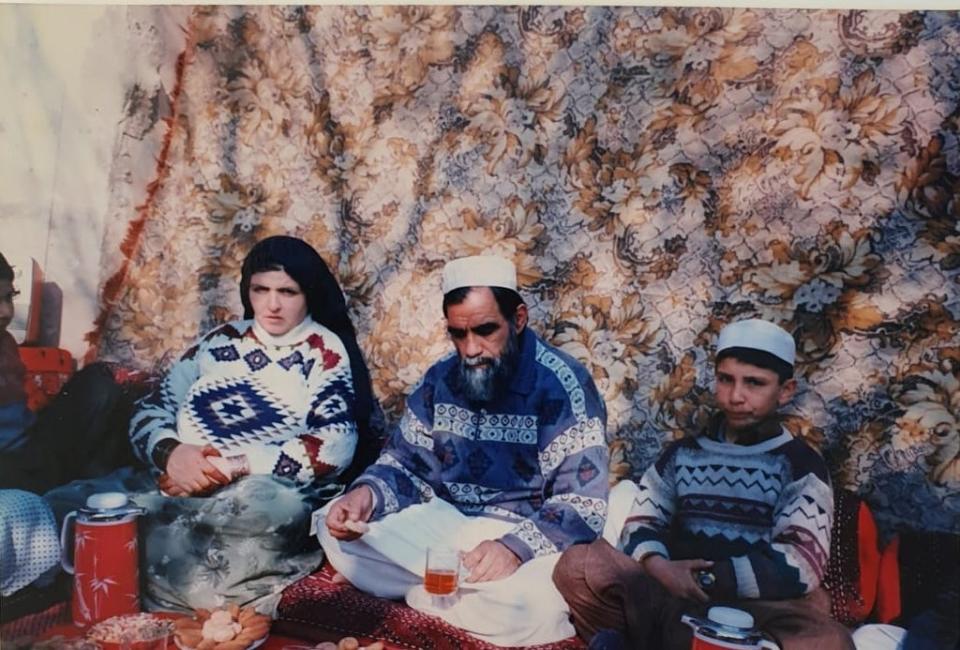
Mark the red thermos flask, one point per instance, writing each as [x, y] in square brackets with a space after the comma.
[105, 557]
[726, 628]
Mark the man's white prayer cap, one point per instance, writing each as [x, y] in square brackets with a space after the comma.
[479, 271]
[757, 334]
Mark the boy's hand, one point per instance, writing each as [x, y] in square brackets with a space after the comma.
[677, 576]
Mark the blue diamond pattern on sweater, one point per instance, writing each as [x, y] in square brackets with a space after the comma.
[256, 359]
[307, 367]
[552, 515]
[225, 353]
[479, 463]
[234, 411]
[523, 469]
[586, 471]
[286, 466]
[291, 360]
[420, 466]
[447, 454]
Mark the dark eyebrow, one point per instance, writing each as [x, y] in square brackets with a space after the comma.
[483, 329]
[486, 329]
[755, 378]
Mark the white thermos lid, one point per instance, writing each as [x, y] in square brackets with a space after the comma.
[731, 617]
[107, 501]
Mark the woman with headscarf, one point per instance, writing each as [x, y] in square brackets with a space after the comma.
[274, 394]
[257, 425]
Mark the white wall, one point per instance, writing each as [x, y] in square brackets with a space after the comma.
[65, 73]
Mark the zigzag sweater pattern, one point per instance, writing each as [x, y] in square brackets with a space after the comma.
[285, 402]
[761, 512]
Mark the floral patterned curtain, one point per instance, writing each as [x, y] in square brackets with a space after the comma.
[653, 172]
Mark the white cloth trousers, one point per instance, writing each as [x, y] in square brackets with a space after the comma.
[29, 541]
[622, 496]
[388, 561]
[878, 636]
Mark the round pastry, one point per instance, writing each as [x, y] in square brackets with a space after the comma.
[232, 628]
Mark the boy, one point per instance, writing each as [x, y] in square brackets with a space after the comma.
[80, 434]
[739, 515]
[14, 416]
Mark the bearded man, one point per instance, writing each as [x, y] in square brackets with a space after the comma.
[501, 453]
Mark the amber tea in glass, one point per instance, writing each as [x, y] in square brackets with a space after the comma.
[442, 572]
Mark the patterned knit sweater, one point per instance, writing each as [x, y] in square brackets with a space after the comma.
[535, 455]
[761, 512]
[285, 402]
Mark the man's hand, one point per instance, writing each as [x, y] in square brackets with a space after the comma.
[189, 473]
[490, 560]
[677, 576]
[347, 517]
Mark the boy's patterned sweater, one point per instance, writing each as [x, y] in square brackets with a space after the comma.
[761, 512]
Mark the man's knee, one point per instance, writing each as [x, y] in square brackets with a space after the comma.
[839, 637]
[569, 572]
[95, 385]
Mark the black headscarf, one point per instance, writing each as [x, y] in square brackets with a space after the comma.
[326, 305]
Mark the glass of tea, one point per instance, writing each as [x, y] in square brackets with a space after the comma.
[443, 571]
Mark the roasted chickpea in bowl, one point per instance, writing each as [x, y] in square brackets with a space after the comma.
[132, 632]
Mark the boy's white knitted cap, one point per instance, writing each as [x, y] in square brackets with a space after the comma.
[479, 271]
[758, 334]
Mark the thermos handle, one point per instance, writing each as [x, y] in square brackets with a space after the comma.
[66, 542]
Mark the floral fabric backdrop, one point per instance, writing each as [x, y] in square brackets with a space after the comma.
[653, 172]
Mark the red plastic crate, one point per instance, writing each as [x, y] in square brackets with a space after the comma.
[48, 369]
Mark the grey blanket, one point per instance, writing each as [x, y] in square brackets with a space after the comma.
[244, 544]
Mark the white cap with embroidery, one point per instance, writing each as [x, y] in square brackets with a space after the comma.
[479, 271]
[757, 334]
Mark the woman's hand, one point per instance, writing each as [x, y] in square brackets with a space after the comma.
[232, 467]
[189, 473]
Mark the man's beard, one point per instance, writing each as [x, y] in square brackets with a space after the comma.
[481, 377]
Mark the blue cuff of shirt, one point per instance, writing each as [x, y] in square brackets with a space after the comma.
[378, 499]
[517, 547]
